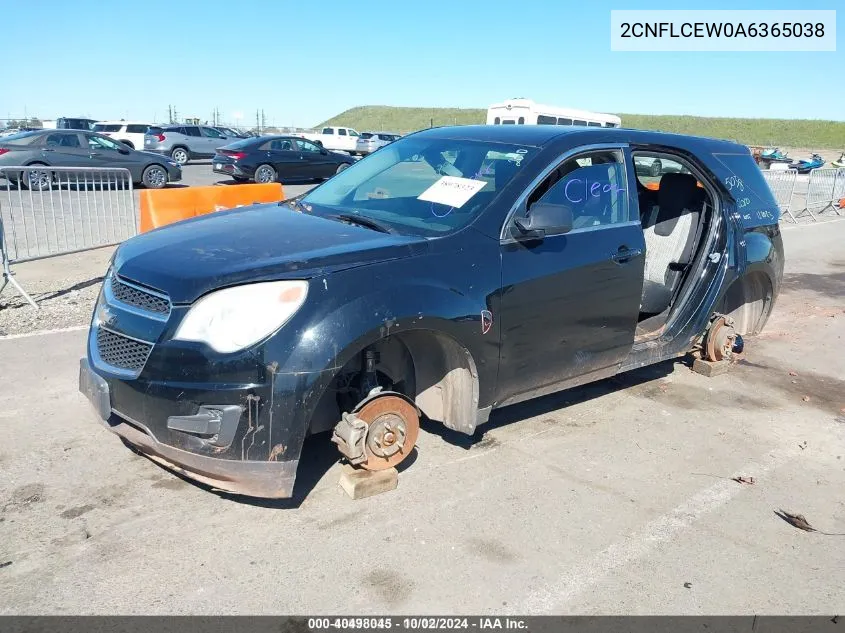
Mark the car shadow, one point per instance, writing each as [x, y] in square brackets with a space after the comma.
[553, 402]
[319, 454]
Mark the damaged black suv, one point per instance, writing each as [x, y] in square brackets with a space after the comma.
[457, 270]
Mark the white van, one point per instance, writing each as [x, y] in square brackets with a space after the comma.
[129, 132]
[526, 112]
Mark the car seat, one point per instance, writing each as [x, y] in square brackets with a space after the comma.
[669, 230]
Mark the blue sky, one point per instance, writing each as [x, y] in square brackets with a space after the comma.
[303, 62]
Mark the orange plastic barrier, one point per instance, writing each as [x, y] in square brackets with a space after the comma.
[842, 203]
[165, 206]
[655, 186]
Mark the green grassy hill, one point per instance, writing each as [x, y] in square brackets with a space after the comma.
[813, 134]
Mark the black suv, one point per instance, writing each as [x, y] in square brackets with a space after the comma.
[457, 270]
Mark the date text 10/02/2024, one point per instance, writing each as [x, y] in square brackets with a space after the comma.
[429, 623]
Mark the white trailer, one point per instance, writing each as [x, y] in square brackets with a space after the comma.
[525, 112]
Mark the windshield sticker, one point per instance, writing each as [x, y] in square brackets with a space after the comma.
[452, 191]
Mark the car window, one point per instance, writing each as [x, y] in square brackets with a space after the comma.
[422, 186]
[562, 121]
[191, 130]
[154, 129]
[210, 132]
[281, 144]
[107, 127]
[650, 167]
[137, 129]
[353, 133]
[328, 130]
[21, 138]
[366, 135]
[100, 142]
[542, 119]
[578, 122]
[341, 132]
[306, 146]
[62, 140]
[592, 186]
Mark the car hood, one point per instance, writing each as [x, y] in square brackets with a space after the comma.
[262, 242]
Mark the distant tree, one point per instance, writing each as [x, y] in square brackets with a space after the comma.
[35, 122]
[271, 130]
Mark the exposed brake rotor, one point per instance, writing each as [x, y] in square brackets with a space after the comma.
[720, 339]
[379, 434]
[393, 427]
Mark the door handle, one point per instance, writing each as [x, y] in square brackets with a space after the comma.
[625, 254]
[92, 154]
[48, 149]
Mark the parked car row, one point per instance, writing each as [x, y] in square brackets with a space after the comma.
[78, 148]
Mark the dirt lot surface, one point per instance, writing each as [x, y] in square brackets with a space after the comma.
[613, 498]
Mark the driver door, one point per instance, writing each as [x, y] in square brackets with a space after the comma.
[105, 152]
[316, 162]
[570, 300]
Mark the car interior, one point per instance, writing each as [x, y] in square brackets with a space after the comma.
[674, 212]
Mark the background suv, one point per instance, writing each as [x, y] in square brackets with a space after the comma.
[185, 142]
[130, 133]
[369, 142]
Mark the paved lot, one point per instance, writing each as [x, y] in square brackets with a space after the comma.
[604, 499]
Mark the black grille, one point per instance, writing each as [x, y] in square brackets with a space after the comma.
[122, 352]
[138, 298]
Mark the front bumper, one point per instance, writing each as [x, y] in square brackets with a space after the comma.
[265, 477]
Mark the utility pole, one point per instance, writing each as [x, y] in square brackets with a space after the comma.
[257, 123]
[263, 120]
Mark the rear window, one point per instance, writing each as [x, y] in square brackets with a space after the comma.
[21, 138]
[107, 127]
[246, 143]
[366, 135]
[153, 129]
[328, 130]
[137, 129]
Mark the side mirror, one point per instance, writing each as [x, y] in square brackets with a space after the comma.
[544, 218]
[124, 150]
[324, 151]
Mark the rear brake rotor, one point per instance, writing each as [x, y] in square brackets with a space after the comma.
[393, 429]
[720, 340]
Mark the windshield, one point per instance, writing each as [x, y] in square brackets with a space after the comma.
[422, 186]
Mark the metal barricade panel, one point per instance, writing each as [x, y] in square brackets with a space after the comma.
[820, 189]
[50, 211]
[782, 184]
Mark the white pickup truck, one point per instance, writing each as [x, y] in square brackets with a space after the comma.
[334, 138]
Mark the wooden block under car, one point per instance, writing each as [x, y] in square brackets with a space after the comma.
[359, 483]
[710, 368]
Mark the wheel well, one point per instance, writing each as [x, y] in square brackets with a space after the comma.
[129, 143]
[175, 147]
[431, 368]
[748, 302]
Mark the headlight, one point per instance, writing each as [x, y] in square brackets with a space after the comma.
[234, 318]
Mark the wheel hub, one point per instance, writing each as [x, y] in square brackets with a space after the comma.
[720, 339]
[392, 429]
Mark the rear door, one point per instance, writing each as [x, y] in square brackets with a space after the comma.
[196, 142]
[66, 149]
[282, 153]
[315, 164]
[570, 301]
[213, 139]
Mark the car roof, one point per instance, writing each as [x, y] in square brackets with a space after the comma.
[540, 135]
[124, 122]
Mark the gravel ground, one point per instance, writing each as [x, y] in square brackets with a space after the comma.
[65, 289]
